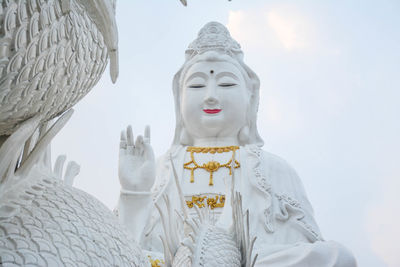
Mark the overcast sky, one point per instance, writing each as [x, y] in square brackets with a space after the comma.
[330, 93]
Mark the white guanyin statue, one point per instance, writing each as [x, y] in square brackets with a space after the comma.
[216, 152]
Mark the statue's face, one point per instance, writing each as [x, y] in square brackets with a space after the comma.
[214, 100]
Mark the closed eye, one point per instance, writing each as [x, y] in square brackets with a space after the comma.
[197, 86]
[227, 84]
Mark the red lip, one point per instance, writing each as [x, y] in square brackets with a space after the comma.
[212, 111]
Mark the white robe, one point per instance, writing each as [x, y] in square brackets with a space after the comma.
[280, 214]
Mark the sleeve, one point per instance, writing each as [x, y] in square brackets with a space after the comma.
[135, 208]
[301, 243]
[134, 211]
[292, 202]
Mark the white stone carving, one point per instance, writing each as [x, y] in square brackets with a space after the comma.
[44, 221]
[210, 246]
[63, 226]
[216, 101]
[202, 240]
[51, 54]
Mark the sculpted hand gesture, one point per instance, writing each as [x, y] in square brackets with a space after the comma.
[136, 161]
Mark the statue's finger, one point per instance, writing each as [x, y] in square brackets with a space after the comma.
[147, 134]
[129, 135]
[122, 143]
[139, 145]
[123, 136]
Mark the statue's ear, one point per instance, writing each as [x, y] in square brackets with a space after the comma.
[253, 135]
[178, 117]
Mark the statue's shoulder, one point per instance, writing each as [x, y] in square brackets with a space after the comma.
[280, 173]
[270, 172]
[275, 160]
[276, 164]
[289, 194]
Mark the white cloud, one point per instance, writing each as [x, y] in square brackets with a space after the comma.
[249, 29]
[291, 28]
[283, 26]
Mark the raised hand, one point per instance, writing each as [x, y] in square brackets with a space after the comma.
[136, 161]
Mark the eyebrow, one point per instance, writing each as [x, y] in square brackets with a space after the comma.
[196, 74]
[225, 73]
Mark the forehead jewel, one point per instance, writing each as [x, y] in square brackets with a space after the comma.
[214, 37]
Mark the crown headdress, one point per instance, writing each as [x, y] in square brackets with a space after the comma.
[213, 37]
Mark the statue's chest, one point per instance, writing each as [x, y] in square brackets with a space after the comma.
[206, 178]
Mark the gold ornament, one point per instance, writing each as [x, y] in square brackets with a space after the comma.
[212, 202]
[155, 263]
[211, 166]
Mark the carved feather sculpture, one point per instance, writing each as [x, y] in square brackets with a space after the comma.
[52, 52]
[51, 55]
[200, 241]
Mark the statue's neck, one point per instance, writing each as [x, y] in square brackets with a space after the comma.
[215, 141]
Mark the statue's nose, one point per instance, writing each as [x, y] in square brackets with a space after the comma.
[211, 96]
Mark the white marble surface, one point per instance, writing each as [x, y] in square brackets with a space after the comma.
[52, 53]
[216, 103]
[333, 119]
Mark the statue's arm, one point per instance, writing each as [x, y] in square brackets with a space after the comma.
[136, 175]
[296, 195]
[134, 209]
[293, 201]
[293, 205]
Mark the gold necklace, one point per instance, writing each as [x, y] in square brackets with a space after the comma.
[211, 166]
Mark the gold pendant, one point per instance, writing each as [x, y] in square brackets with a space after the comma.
[212, 202]
[211, 166]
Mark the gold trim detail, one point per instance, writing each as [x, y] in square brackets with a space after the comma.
[212, 202]
[212, 150]
[211, 166]
[155, 263]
